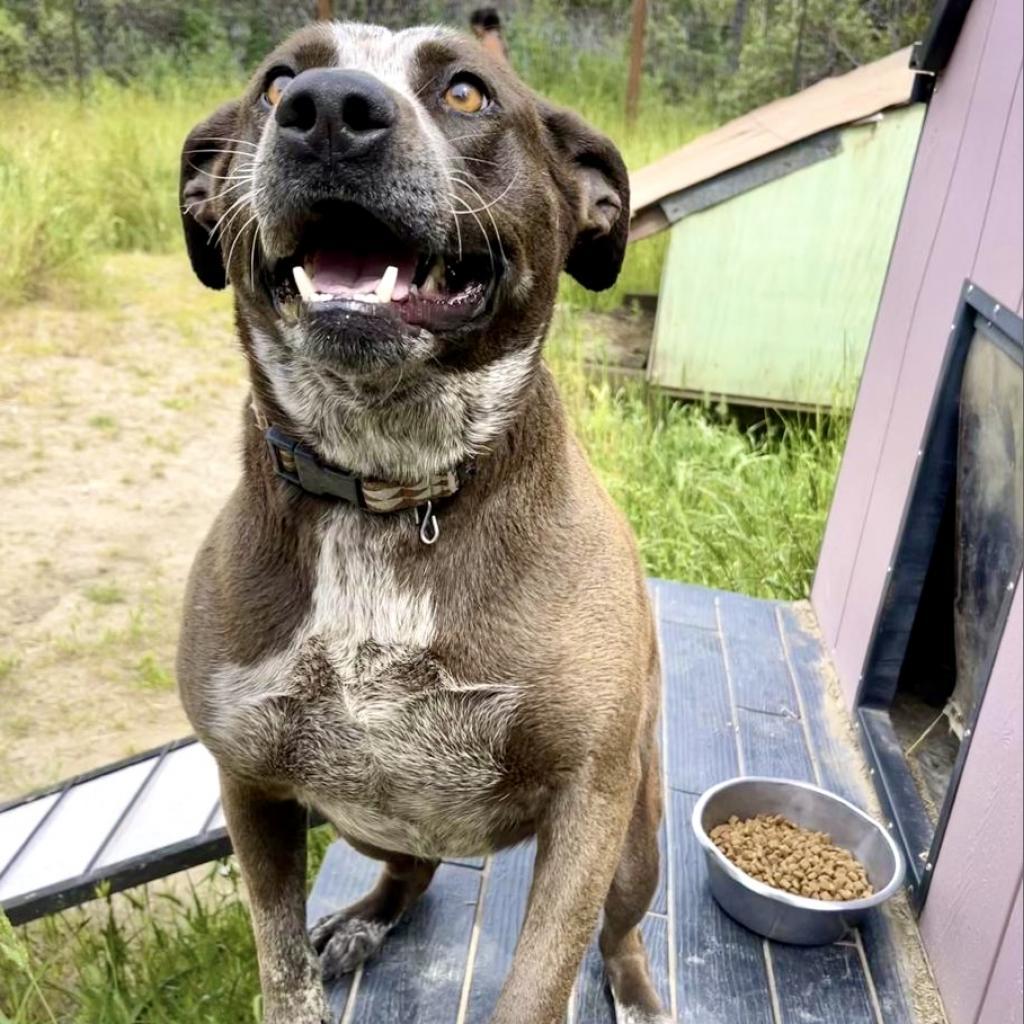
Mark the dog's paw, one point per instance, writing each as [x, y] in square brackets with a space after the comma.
[637, 1015]
[344, 942]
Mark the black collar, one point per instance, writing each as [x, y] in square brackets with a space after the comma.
[300, 466]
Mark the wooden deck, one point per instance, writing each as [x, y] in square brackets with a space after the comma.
[746, 692]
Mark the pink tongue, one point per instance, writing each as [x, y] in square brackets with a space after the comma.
[337, 272]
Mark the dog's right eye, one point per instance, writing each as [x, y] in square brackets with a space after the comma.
[278, 82]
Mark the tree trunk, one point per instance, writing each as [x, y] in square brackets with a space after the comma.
[736, 29]
[798, 53]
[636, 59]
[324, 10]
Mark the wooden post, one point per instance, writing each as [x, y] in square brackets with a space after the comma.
[325, 10]
[636, 59]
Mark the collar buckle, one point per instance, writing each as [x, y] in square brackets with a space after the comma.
[299, 465]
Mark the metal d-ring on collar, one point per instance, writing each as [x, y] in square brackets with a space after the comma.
[430, 530]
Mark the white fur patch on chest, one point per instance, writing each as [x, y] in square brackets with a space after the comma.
[359, 717]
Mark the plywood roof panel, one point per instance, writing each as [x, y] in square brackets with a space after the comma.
[831, 102]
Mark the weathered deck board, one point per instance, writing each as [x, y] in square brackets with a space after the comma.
[720, 968]
[701, 749]
[822, 984]
[756, 661]
[717, 650]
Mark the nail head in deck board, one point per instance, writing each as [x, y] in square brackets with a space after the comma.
[417, 976]
[684, 604]
[66, 842]
[174, 806]
[774, 745]
[821, 984]
[505, 894]
[17, 824]
[720, 969]
[757, 664]
[701, 733]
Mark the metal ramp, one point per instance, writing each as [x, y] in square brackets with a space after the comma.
[124, 824]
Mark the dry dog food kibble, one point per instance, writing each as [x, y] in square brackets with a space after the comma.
[773, 850]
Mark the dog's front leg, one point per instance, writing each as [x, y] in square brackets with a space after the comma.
[269, 838]
[579, 843]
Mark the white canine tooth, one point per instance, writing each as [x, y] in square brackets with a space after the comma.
[386, 285]
[303, 283]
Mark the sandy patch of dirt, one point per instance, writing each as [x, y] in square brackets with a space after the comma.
[118, 443]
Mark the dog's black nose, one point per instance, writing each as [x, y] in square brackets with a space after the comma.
[336, 113]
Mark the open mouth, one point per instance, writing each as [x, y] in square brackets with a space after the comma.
[348, 262]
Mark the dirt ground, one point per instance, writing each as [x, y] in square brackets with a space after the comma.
[118, 428]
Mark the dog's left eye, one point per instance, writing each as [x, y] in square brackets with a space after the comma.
[465, 96]
[276, 87]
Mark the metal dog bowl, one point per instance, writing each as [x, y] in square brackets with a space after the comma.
[780, 915]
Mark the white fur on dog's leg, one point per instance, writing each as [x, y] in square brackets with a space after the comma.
[352, 943]
[634, 1015]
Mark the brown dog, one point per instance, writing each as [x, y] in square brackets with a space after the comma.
[419, 613]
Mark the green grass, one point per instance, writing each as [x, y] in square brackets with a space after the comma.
[79, 178]
[105, 593]
[152, 674]
[710, 502]
[152, 955]
[8, 663]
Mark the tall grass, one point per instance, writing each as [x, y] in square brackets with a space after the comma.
[710, 501]
[82, 176]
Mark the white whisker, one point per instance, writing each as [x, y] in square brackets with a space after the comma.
[483, 230]
[241, 231]
[493, 202]
[487, 209]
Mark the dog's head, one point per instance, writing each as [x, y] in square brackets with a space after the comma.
[386, 202]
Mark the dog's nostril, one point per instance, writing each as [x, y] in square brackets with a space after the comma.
[297, 111]
[359, 115]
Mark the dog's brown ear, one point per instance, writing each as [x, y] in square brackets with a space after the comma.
[203, 148]
[597, 186]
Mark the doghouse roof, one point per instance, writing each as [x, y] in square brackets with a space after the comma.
[830, 103]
